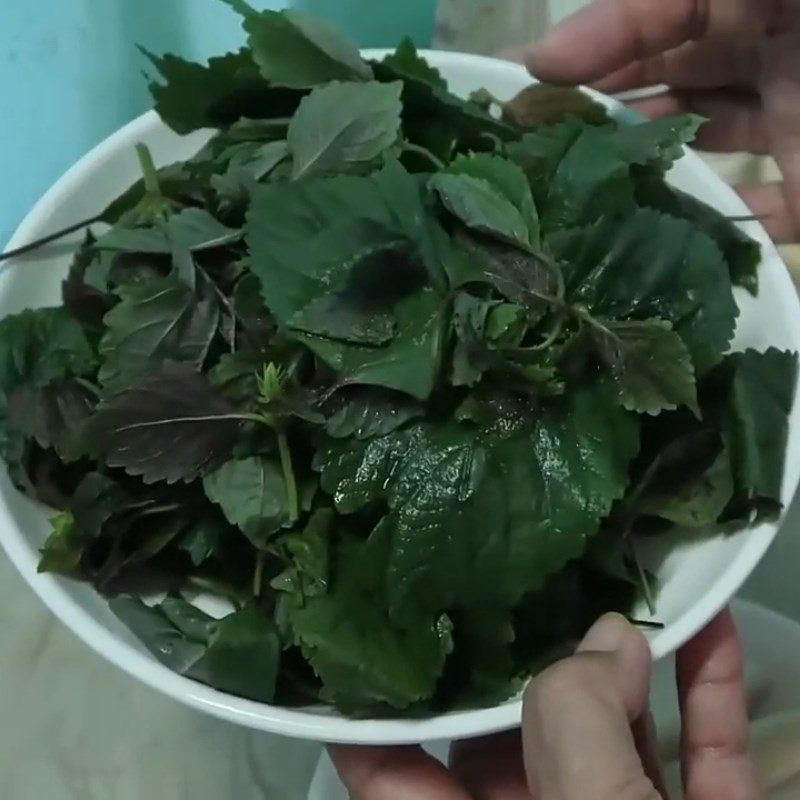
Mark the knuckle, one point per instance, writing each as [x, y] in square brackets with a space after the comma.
[721, 748]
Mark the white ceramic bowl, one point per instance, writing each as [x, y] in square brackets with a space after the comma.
[697, 579]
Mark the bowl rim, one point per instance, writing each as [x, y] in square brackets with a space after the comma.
[310, 724]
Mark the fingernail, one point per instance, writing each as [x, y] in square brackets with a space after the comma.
[608, 635]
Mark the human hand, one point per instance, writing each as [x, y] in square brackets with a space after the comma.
[587, 733]
[736, 62]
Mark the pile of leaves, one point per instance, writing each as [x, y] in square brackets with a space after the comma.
[399, 377]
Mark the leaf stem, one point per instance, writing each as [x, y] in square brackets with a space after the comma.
[545, 298]
[750, 218]
[89, 386]
[149, 171]
[650, 474]
[643, 579]
[162, 509]
[645, 623]
[227, 306]
[53, 237]
[260, 418]
[207, 418]
[410, 147]
[552, 336]
[496, 141]
[288, 475]
[258, 576]
[561, 291]
[274, 122]
[557, 301]
[584, 315]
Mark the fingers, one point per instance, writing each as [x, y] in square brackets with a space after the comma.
[610, 34]
[736, 122]
[768, 203]
[393, 773]
[706, 65]
[711, 690]
[491, 768]
[780, 90]
[578, 715]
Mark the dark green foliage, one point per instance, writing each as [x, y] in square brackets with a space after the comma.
[391, 377]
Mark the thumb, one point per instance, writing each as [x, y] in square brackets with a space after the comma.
[578, 737]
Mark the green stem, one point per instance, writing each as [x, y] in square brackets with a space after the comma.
[262, 419]
[643, 580]
[585, 316]
[644, 623]
[140, 504]
[294, 364]
[552, 336]
[750, 218]
[410, 147]
[149, 171]
[258, 577]
[274, 122]
[331, 391]
[228, 306]
[495, 140]
[162, 509]
[545, 298]
[558, 302]
[631, 502]
[288, 476]
[89, 386]
[53, 237]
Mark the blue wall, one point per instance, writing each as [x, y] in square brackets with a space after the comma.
[70, 73]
